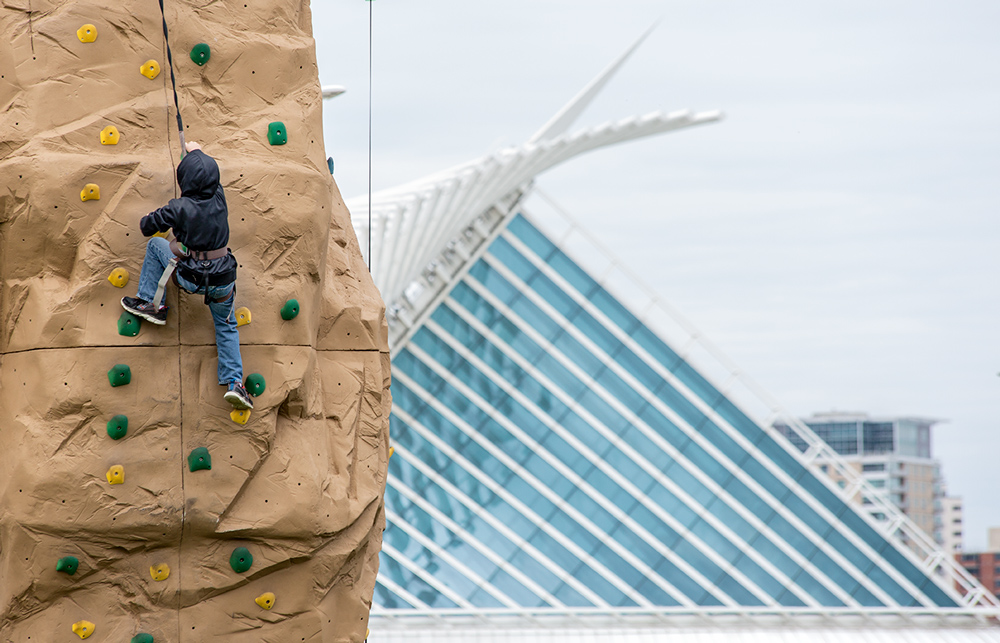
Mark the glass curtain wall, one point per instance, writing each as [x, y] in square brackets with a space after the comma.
[552, 450]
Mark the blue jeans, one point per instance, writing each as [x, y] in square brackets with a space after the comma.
[227, 338]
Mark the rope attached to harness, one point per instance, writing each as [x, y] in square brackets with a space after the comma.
[173, 81]
[161, 286]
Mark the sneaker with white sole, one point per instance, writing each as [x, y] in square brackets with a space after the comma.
[145, 309]
[238, 396]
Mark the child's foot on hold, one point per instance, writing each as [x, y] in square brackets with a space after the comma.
[238, 396]
[144, 309]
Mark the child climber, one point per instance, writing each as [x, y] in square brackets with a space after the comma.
[204, 265]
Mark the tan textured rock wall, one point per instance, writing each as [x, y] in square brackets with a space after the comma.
[300, 485]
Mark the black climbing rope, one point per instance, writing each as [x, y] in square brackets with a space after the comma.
[180, 370]
[173, 81]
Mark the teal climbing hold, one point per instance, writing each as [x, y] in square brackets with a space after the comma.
[120, 375]
[276, 133]
[329, 163]
[118, 427]
[290, 310]
[128, 324]
[255, 384]
[199, 459]
[241, 560]
[142, 637]
[200, 53]
[67, 564]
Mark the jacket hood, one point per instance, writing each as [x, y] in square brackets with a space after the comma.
[198, 175]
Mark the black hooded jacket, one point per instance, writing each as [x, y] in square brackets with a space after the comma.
[199, 218]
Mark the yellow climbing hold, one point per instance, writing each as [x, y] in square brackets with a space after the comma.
[159, 572]
[116, 474]
[118, 277]
[162, 235]
[83, 629]
[150, 69]
[87, 33]
[242, 316]
[240, 416]
[90, 192]
[391, 451]
[109, 135]
[265, 600]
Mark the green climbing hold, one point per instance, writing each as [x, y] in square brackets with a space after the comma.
[67, 564]
[290, 310]
[255, 384]
[199, 459]
[276, 133]
[200, 54]
[329, 163]
[128, 324]
[241, 560]
[120, 375]
[118, 427]
[142, 637]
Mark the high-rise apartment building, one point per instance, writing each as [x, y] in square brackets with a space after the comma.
[951, 524]
[893, 454]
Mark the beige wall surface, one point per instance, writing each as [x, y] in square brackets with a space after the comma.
[300, 485]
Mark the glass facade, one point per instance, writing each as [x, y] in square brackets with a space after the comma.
[552, 450]
[878, 437]
[862, 437]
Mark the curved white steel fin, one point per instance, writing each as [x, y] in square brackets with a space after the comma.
[411, 224]
[572, 110]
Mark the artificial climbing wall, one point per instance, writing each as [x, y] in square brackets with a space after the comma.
[133, 506]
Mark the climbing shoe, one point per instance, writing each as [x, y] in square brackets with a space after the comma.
[238, 396]
[144, 309]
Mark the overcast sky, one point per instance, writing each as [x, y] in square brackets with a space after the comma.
[836, 235]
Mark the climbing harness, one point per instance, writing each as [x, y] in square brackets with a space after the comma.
[173, 81]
